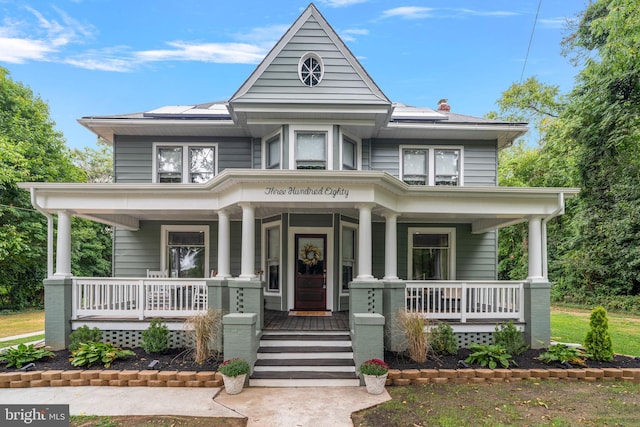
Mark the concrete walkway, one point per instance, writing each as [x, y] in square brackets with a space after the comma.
[17, 337]
[296, 407]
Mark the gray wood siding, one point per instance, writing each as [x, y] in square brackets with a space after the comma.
[280, 82]
[133, 155]
[480, 158]
[476, 254]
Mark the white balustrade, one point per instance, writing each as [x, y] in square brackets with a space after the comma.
[461, 301]
[136, 297]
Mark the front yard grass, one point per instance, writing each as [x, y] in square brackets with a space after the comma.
[21, 323]
[539, 403]
[570, 325]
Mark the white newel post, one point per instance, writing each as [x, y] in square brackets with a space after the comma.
[535, 250]
[248, 242]
[63, 245]
[224, 245]
[391, 247]
[364, 243]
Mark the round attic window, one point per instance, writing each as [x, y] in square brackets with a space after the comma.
[310, 70]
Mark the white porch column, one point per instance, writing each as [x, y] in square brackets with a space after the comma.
[391, 246]
[364, 243]
[247, 269]
[536, 244]
[224, 245]
[63, 245]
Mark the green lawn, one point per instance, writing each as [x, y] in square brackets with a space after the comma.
[571, 325]
[21, 323]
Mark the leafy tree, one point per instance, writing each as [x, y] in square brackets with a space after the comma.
[604, 107]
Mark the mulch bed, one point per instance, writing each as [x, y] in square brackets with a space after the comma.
[181, 360]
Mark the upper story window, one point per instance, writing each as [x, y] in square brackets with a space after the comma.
[310, 69]
[184, 163]
[349, 154]
[311, 150]
[431, 166]
[273, 153]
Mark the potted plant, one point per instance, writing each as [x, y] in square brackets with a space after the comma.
[375, 373]
[234, 373]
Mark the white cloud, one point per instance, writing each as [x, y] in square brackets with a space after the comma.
[486, 13]
[341, 3]
[409, 12]
[556, 23]
[235, 53]
[19, 51]
[350, 34]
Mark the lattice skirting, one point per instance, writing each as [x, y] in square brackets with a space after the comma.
[130, 339]
[465, 339]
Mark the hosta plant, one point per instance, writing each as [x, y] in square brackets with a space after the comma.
[490, 355]
[23, 354]
[562, 353]
[374, 367]
[96, 352]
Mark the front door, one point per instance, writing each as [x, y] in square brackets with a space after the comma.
[311, 272]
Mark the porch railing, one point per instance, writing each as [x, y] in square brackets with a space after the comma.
[465, 300]
[127, 297]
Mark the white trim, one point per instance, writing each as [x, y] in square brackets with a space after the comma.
[358, 153]
[185, 157]
[265, 148]
[431, 160]
[164, 231]
[293, 129]
[265, 253]
[292, 256]
[451, 231]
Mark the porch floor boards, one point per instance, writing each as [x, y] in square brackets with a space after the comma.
[280, 320]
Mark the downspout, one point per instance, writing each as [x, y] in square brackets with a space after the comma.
[557, 212]
[49, 232]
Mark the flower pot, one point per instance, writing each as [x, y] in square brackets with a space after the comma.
[233, 385]
[375, 384]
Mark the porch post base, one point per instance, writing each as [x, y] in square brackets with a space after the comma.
[241, 337]
[367, 338]
[537, 314]
[57, 313]
[394, 302]
[247, 296]
[218, 291]
[365, 297]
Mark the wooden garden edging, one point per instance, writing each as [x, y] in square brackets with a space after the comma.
[396, 377]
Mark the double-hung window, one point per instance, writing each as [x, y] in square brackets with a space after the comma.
[185, 250]
[184, 163]
[311, 150]
[431, 254]
[349, 154]
[273, 258]
[431, 166]
[348, 255]
[273, 153]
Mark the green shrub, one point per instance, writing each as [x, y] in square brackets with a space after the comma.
[83, 335]
[96, 352]
[155, 339]
[560, 353]
[598, 341]
[234, 367]
[443, 340]
[509, 337]
[490, 355]
[23, 354]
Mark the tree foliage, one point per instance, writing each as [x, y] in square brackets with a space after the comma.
[32, 150]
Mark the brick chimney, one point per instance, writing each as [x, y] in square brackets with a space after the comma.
[444, 106]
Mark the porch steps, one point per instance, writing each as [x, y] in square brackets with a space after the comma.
[305, 359]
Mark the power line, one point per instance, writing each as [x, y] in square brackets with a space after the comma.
[533, 30]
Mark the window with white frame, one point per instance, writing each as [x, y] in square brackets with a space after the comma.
[310, 69]
[184, 163]
[185, 250]
[349, 154]
[348, 255]
[431, 254]
[311, 150]
[272, 243]
[273, 153]
[431, 165]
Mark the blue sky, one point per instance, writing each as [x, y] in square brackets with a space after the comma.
[100, 57]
